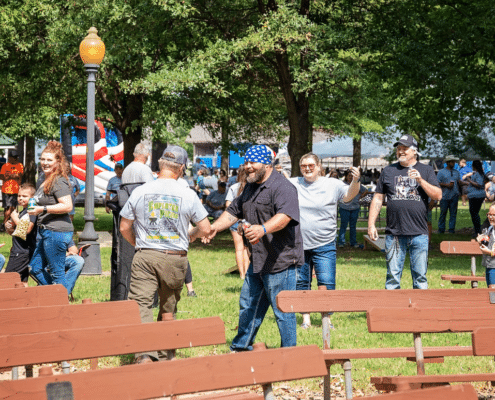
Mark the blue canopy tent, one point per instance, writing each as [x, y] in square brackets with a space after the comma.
[342, 147]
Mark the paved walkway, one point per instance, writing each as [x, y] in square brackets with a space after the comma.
[104, 238]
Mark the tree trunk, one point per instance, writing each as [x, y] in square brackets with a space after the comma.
[225, 145]
[297, 112]
[30, 165]
[131, 139]
[356, 152]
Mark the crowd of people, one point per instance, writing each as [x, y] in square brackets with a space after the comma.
[284, 229]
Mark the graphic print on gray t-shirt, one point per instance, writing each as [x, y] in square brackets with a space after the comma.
[406, 189]
[162, 218]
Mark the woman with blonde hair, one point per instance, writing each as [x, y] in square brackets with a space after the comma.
[55, 227]
[241, 252]
[318, 198]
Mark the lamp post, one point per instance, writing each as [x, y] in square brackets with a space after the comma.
[92, 51]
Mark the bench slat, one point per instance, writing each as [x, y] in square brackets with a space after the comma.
[458, 392]
[363, 300]
[20, 321]
[180, 376]
[396, 352]
[463, 278]
[76, 344]
[483, 341]
[424, 320]
[461, 248]
[431, 379]
[36, 296]
[9, 279]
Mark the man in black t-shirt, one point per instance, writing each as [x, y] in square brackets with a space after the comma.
[407, 186]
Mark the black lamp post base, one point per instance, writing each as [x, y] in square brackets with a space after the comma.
[92, 258]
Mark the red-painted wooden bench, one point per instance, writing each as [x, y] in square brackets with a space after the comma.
[9, 279]
[418, 320]
[33, 296]
[459, 392]
[472, 249]
[171, 378]
[324, 301]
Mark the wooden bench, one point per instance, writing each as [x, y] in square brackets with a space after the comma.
[192, 375]
[472, 249]
[459, 392]
[9, 279]
[33, 296]
[324, 301]
[417, 320]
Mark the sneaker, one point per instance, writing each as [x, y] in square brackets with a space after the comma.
[192, 293]
[341, 245]
[305, 325]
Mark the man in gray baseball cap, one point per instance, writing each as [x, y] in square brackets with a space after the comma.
[155, 220]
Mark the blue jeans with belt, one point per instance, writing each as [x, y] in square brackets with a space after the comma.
[323, 260]
[257, 294]
[47, 265]
[396, 248]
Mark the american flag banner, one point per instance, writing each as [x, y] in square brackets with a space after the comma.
[109, 149]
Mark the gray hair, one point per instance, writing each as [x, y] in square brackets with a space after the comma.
[170, 165]
[141, 150]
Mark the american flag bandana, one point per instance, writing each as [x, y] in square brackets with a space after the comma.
[260, 153]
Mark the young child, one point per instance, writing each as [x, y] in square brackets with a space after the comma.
[22, 250]
[488, 249]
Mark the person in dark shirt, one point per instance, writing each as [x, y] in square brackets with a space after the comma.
[22, 249]
[269, 205]
[407, 186]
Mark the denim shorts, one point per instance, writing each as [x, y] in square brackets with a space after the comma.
[234, 227]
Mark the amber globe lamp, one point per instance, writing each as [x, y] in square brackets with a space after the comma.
[92, 51]
[92, 48]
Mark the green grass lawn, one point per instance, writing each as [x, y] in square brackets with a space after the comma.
[218, 295]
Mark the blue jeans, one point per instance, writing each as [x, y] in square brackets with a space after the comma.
[73, 268]
[323, 259]
[490, 276]
[257, 294]
[348, 217]
[2, 261]
[451, 206]
[47, 265]
[396, 248]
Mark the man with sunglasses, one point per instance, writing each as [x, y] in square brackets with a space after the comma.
[270, 208]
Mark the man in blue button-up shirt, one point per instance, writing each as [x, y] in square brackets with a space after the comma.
[449, 180]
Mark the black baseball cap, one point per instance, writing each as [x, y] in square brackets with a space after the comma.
[13, 153]
[408, 141]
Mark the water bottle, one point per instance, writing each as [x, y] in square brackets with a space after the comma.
[31, 204]
[245, 225]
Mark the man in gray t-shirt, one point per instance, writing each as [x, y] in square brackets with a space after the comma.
[155, 220]
[137, 171]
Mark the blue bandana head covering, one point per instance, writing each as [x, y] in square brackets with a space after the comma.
[259, 153]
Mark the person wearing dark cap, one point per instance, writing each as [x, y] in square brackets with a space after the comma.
[450, 182]
[11, 175]
[155, 220]
[407, 186]
[215, 202]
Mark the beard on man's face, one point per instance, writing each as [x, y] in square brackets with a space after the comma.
[258, 175]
